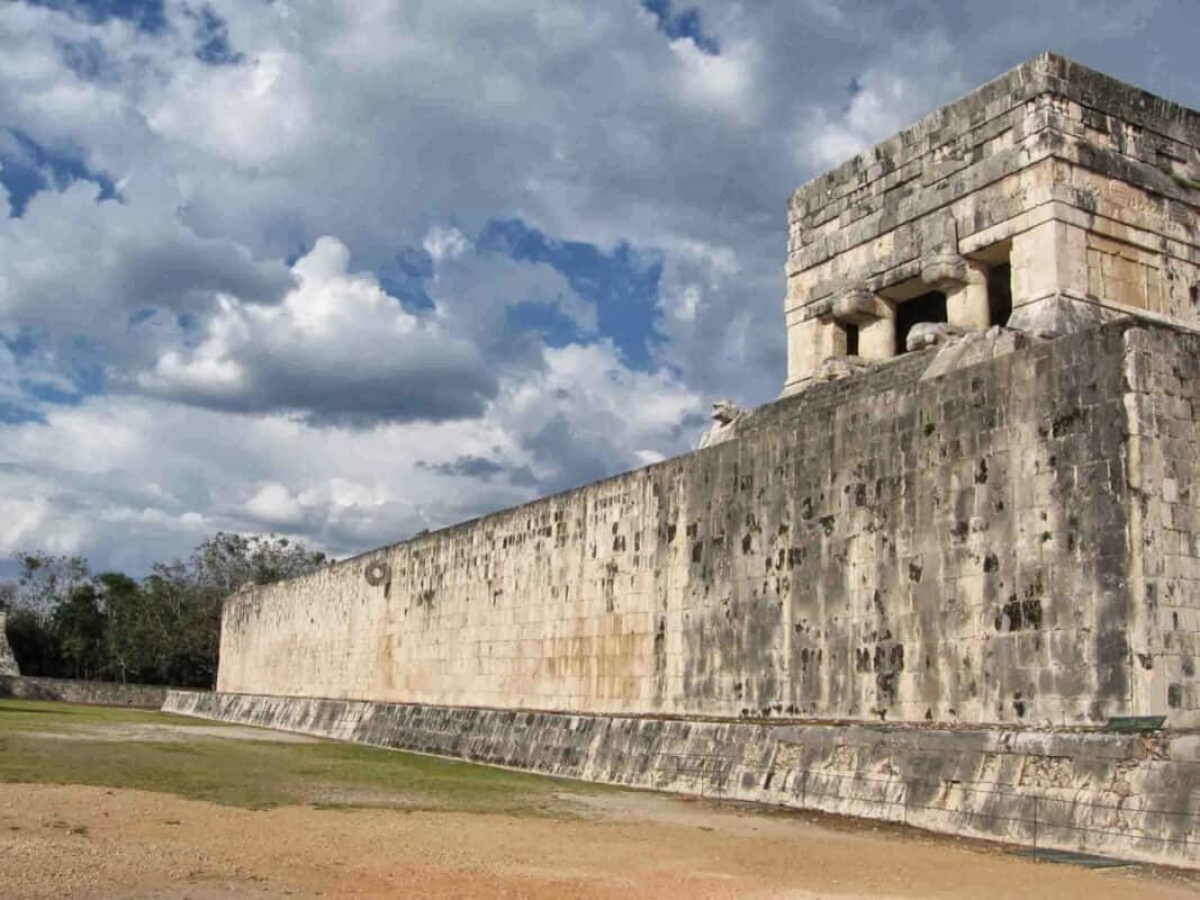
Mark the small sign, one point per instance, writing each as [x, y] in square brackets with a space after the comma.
[1135, 723]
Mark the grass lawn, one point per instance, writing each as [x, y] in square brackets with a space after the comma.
[60, 743]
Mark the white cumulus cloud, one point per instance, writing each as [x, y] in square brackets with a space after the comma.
[337, 347]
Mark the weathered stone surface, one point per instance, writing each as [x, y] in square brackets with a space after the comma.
[841, 367]
[725, 416]
[1058, 316]
[992, 543]
[930, 334]
[1131, 796]
[975, 347]
[95, 693]
[8, 662]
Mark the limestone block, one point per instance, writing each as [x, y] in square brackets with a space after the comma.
[1056, 315]
[859, 305]
[967, 299]
[841, 367]
[943, 270]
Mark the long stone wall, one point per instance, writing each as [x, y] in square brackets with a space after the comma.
[1130, 796]
[988, 533]
[94, 693]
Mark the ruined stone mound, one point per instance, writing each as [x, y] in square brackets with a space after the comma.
[8, 662]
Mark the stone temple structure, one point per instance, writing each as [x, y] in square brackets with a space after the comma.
[8, 662]
[1048, 201]
[931, 583]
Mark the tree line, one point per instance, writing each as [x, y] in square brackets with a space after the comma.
[66, 622]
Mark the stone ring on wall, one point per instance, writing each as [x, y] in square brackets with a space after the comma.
[377, 573]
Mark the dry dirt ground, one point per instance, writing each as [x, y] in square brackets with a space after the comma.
[82, 842]
[97, 843]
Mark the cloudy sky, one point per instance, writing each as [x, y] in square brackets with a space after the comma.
[347, 270]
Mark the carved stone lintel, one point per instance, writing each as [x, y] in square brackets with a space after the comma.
[942, 270]
[858, 304]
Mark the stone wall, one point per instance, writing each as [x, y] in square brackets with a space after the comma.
[1163, 403]
[961, 535]
[1129, 796]
[8, 662]
[93, 693]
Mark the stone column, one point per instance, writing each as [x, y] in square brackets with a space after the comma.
[871, 315]
[967, 300]
[810, 342]
[862, 307]
[877, 340]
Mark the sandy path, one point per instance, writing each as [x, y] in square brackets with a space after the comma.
[93, 843]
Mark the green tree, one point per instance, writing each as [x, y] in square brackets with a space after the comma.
[47, 580]
[164, 630]
[34, 644]
[79, 623]
[185, 596]
[226, 562]
[127, 639]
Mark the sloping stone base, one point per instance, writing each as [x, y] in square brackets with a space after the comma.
[1128, 796]
[92, 693]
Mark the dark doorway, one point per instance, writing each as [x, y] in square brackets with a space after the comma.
[999, 288]
[929, 307]
[851, 339]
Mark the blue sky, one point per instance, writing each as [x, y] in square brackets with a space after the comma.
[345, 271]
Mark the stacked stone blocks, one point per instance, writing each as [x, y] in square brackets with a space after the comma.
[964, 547]
[1088, 189]
[1130, 796]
